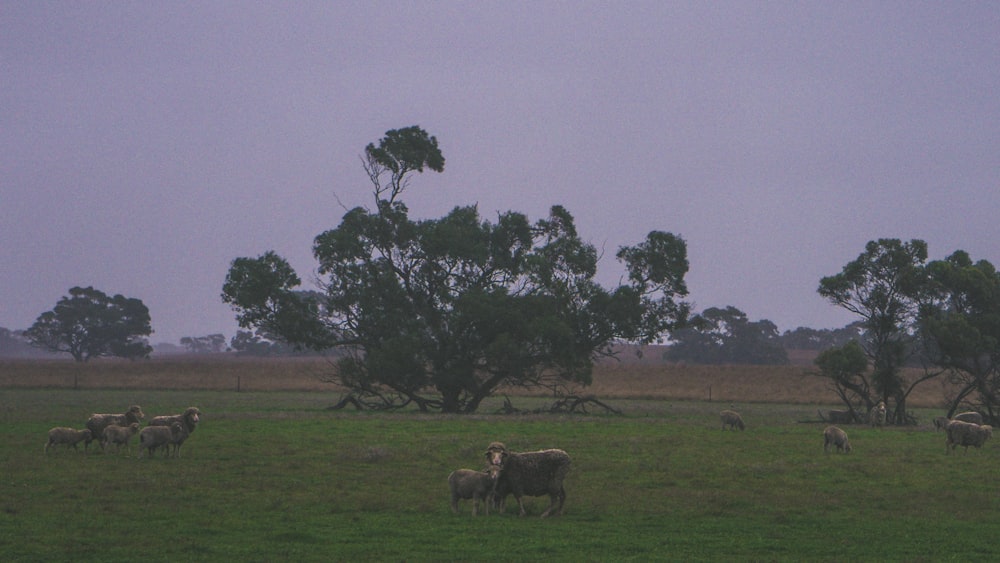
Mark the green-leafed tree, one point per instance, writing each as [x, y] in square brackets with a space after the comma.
[960, 322]
[89, 324]
[883, 287]
[726, 336]
[847, 369]
[442, 312]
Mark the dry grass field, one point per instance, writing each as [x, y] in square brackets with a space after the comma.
[647, 379]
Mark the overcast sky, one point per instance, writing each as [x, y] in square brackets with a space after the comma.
[145, 145]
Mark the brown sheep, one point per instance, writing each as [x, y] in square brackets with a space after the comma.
[836, 437]
[98, 422]
[966, 434]
[531, 473]
[119, 436]
[732, 419]
[475, 485]
[70, 437]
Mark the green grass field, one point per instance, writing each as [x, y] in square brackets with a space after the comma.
[274, 476]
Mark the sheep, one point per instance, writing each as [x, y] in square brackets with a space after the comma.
[70, 437]
[970, 416]
[876, 417]
[837, 437]
[966, 434]
[152, 437]
[189, 418]
[475, 485]
[98, 422]
[732, 419]
[531, 473]
[119, 436]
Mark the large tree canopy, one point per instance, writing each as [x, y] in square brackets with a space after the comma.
[88, 324]
[442, 312]
[960, 322]
[882, 286]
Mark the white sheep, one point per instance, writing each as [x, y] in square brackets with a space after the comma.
[732, 419]
[119, 436]
[836, 437]
[966, 434]
[70, 437]
[98, 422]
[876, 417]
[531, 473]
[152, 437]
[475, 485]
[970, 416]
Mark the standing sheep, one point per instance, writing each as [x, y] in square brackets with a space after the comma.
[732, 419]
[98, 422]
[940, 422]
[70, 437]
[876, 417]
[966, 434]
[189, 419]
[152, 437]
[970, 416]
[837, 437]
[531, 473]
[475, 485]
[119, 436]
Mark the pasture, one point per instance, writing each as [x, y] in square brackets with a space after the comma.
[274, 475]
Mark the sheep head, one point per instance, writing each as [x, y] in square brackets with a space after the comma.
[496, 453]
[137, 411]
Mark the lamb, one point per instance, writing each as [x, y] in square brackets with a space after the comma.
[970, 416]
[837, 437]
[876, 417]
[70, 437]
[475, 485]
[966, 434]
[153, 437]
[189, 419]
[119, 436]
[531, 473]
[732, 419]
[98, 422]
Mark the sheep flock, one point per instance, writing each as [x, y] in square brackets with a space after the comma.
[115, 431]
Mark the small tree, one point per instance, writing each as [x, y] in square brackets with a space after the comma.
[442, 312]
[846, 367]
[88, 323]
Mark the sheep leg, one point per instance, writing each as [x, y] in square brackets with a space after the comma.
[520, 505]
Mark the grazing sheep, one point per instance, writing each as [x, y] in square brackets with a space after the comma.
[152, 437]
[189, 418]
[940, 422]
[475, 485]
[837, 437]
[970, 416]
[732, 419]
[876, 417]
[531, 473]
[70, 437]
[98, 422]
[119, 436]
[966, 434]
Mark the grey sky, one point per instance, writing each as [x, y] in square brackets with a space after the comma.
[145, 145]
